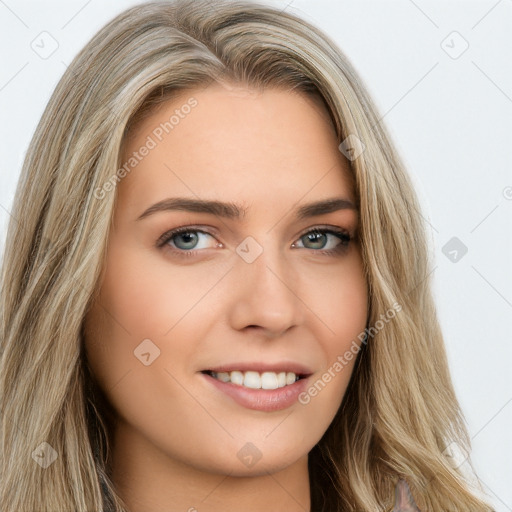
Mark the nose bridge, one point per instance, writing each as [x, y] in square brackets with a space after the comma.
[265, 287]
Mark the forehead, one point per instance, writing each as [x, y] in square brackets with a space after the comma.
[223, 141]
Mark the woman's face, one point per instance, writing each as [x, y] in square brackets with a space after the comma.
[249, 287]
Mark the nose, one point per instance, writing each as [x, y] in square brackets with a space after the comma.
[265, 295]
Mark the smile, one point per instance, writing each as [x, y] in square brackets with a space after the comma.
[260, 386]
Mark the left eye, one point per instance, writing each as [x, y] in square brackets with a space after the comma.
[320, 237]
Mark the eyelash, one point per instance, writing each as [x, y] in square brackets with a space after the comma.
[340, 249]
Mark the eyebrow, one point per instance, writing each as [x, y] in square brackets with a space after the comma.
[234, 211]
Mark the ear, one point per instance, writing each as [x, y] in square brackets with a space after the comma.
[404, 502]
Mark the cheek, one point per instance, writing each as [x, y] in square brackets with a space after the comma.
[338, 295]
[347, 321]
[141, 317]
[352, 303]
[149, 296]
[143, 298]
[343, 309]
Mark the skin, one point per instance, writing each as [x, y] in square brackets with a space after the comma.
[177, 436]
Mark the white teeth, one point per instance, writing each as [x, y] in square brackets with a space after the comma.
[269, 380]
[252, 380]
[256, 380]
[236, 378]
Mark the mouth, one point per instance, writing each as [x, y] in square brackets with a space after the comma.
[261, 386]
[251, 379]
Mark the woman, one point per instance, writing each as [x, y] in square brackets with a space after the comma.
[218, 297]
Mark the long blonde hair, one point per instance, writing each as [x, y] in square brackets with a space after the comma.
[399, 412]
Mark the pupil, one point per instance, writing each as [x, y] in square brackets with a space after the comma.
[189, 238]
[315, 238]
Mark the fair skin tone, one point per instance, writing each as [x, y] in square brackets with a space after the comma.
[178, 437]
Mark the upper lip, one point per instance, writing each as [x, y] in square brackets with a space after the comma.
[285, 366]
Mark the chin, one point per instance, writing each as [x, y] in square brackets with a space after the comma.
[245, 459]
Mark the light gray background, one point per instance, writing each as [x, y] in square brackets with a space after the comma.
[450, 114]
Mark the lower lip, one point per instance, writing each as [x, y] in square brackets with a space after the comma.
[260, 399]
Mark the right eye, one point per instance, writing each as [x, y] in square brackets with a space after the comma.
[185, 240]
